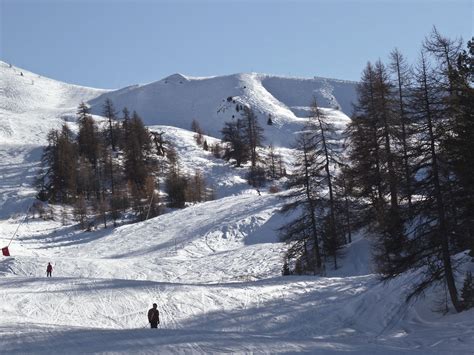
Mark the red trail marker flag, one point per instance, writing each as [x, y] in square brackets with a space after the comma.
[5, 251]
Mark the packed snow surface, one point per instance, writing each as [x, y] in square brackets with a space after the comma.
[213, 268]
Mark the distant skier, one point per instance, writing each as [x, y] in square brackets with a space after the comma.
[49, 270]
[154, 316]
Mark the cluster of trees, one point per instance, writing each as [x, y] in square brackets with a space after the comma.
[243, 137]
[407, 174]
[411, 161]
[106, 171]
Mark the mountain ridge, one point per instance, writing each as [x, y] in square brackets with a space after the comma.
[32, 105]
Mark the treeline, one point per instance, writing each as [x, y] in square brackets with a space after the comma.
[112, 170]
[407, 175]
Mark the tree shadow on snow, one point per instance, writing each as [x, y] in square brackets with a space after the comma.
[68, 236]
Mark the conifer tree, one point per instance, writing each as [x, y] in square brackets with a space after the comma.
[195, 127]
[196, 188]
[137, 146]
[57, 182]
[364, 172]
[392, 222]
[85, 178]
[176, 183]
[253, 134]
[270, 120]
[234, 134]
[402, 80]
[458, 147]
[88, 137]
[80, 212]
[89, 150]
[430, 245]
[216, 150]
[302, 234]
[271, 163]
[326, 164]
[110, 113]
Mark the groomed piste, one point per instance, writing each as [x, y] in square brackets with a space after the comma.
[213, 268]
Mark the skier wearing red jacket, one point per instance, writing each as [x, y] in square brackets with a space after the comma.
[49, 270]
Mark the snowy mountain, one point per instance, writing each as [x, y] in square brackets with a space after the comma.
[32, 105]
[213, 268]
[178, 99]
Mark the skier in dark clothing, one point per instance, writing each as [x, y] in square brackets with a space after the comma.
[154, 316]
[49, 270]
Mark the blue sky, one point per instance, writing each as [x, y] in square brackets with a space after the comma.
[111, 44]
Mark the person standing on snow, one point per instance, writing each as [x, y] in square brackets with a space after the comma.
[154, 316]
[49, 270]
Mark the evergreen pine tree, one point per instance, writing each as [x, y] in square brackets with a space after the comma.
[57, 180]
[303, 234]
[327, 162]
[110, 113]
[457, 147]
[402, 78]
[235, 135]
[253, 134]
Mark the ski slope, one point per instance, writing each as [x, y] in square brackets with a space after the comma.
[30, 106]
[214, 268]
[215, 275]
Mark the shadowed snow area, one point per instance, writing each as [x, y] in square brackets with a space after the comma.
[213, 268]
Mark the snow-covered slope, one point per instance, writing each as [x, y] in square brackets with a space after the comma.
[177, 100]
[214, 271]
[31, 105]
[212, 268]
